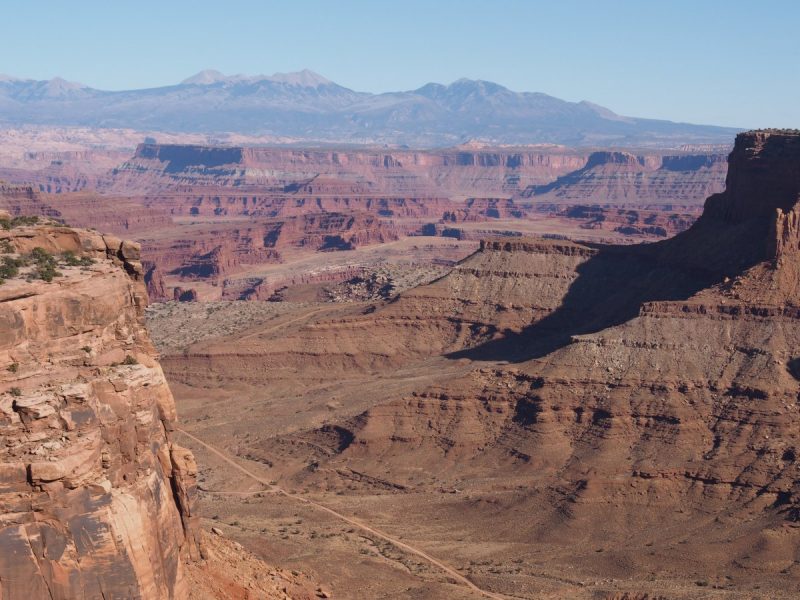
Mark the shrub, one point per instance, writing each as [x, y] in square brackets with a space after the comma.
[9, 267]
[129, 360]
[70, 259]
[18, 221]
[13, 367]
[47, 273]
[87, 349]
[40, 255]
[6, 247]
[30, 220]
[45, 264]
[15, 391]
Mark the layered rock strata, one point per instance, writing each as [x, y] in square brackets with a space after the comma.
[631, 409]
[95, 496]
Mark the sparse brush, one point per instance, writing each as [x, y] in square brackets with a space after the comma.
[70, 259]
[45, 264]
[130, 360]
[9, 267]
[13, 367]
[15, 391]
[18, 221]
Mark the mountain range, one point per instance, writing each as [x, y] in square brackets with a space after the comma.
[305, 106]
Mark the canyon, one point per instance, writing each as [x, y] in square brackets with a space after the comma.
[474, 372]
[239, 222]
[552, 418]
[506, 307]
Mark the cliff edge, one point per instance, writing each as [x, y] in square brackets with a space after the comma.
[95, 497]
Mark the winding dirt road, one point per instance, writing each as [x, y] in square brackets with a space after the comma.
[402, 545]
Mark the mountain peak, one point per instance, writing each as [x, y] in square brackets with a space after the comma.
[58, 83]
[205, 77]
[304, 78]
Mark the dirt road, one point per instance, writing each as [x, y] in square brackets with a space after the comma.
[364, 527]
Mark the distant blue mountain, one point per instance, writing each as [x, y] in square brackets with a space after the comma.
[309, 107]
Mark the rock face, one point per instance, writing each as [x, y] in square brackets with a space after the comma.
[86, 209]
[620, 176]
[96, 498]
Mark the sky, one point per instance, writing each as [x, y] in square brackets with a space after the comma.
[717, 62]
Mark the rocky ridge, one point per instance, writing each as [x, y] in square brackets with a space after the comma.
[555, 172]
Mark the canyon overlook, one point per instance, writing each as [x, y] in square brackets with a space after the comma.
[455, 395]
[368, 336]
[557, 418]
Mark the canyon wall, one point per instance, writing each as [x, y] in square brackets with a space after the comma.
[96, 497]
[556, 172]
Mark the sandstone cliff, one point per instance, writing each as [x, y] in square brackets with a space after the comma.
[96, 497]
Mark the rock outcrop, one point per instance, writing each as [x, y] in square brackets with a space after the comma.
[96, 497]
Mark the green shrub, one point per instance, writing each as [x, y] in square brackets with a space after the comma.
[47, 273]
[15, 391]
[30, 220]
[9, 267]
[40, 255]
[70, 259]
[129, 360]
[45, 264]
[18, 221]
[13, 367]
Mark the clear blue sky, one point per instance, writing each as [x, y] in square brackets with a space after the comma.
[720, 62]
